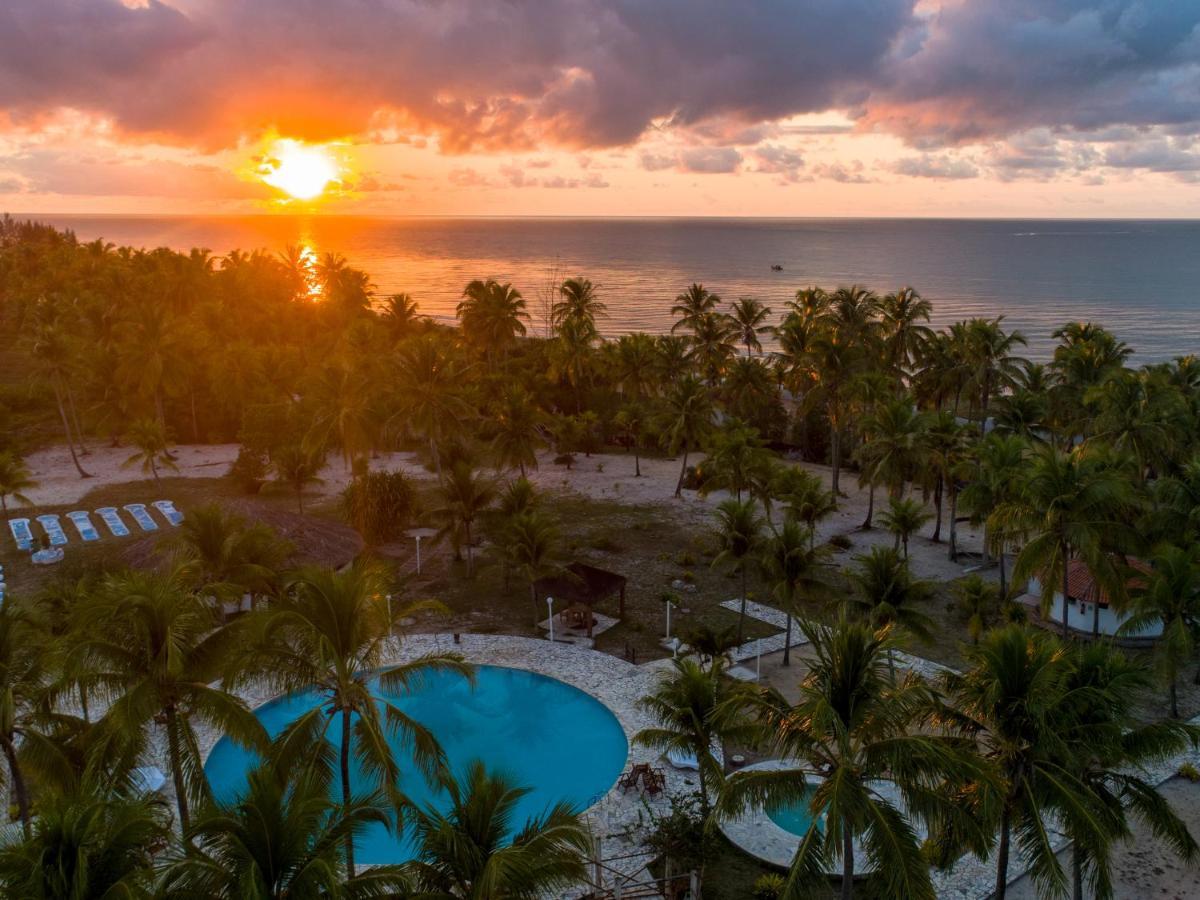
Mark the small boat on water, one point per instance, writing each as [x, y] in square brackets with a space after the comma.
[776, 268]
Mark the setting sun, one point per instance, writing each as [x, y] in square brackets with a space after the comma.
[303, 171]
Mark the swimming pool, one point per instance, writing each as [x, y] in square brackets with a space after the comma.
[546, 735]
[794, 818]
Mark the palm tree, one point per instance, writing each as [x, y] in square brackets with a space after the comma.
[739, 536]
[993, 364]
[344, 413]
[894, 448]
[689, 420]
[635, 359]
[903, 335]
[1108, 747]
[904, 518]
[886, 595]
[54, 358]
[23, 682]
[154, 647]
[518, 423]
[14, 478]
[530, 545]
[430, 400]
[149, 343]
[280, 839]
[1169, 596]
[297, 467]
[1013, 704]
[1000, 464]
[735, 460]
[150, 440]
[631, 421]
[979, 600]
[474, 849]
[947, 450]
[748, 317]
[579, 304]
[234, 558]
[851, 731]
[464, 496]
[330, 631]
[91, 844]
[697, 707]
[712, 346]
[833, 362]
[399, 313]
[492, 315]
[1068, 507]
[795, 569]
[571, 357]
[691, 305]
[805, 498]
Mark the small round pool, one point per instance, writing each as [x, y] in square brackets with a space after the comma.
[545, 735]
[794, 818]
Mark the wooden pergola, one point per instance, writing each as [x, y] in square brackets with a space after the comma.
[583, 586]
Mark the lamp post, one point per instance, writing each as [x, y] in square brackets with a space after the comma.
[550, 610]
[419, 533]
[388, 598]
[669, 605]
[418, 554]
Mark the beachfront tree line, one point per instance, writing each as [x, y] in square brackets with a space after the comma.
[1079, 458]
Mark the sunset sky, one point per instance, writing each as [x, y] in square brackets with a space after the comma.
[605, 107]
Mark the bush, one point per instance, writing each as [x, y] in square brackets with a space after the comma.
[767, 887]
[1190, 772]
[379, 505]
[840, 542]
[249, 470]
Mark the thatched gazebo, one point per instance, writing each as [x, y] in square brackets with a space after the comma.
[582, 587]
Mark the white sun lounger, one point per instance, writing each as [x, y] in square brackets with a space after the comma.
[21, 533]
[83, 524]
[54, 530]
[170, 513]
[112, 519]
[141, 516]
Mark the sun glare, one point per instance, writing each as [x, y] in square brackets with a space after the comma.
[302, 171]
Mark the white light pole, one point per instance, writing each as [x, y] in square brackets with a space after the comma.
[388, 597]
[418, 554]
[550, 610]
[674, 647]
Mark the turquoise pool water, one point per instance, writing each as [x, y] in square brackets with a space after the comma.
[553, 738]
[795, 818]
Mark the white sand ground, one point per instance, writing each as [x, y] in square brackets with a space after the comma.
[606, 476]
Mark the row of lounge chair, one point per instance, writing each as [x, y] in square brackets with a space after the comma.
[22, 531]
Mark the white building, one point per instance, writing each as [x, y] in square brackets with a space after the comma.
[1088, 604]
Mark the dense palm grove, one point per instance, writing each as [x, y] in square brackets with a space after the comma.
[1081, 457]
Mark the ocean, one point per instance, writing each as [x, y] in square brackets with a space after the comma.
[1140, 279]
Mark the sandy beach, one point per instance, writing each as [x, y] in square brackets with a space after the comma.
[601, 476]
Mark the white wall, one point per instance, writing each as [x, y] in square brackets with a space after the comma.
[1080, 616]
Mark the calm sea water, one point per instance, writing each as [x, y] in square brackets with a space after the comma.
[1138, 278]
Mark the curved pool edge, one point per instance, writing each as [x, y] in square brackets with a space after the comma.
[617, 818]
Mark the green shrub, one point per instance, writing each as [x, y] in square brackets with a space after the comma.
[1190, 772]
[840, 542]
[249, 470]
[379, 505]
[767, 887]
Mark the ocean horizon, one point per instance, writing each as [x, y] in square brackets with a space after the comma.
[1136, 277]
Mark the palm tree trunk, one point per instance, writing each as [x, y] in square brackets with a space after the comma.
[1066, 600]
[847, 863]
[1174, 697]
[835, 458]
[1002, 856]
[682, 472]
[62, 411]
[3, 506]
[177, 768]
[1076, 872]
[867, 522]
[534, 600]
[953, 524]
[637, 462]
[18, 782]
[300, 498]
[437, 459]
[1003, 578]
[83, 450]
[345, 766]
[937, 504]
[470, 550]
[787, 642]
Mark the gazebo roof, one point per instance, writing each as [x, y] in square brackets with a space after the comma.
[580, 583]
[1083, 586]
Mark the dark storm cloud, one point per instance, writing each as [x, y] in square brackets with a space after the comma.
[516, 74]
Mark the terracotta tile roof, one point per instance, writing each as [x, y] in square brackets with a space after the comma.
[1082, 586]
